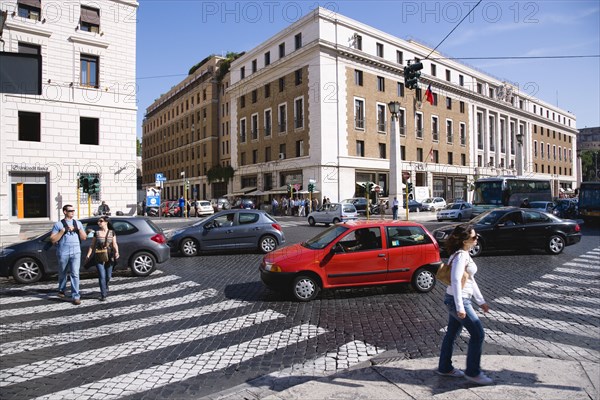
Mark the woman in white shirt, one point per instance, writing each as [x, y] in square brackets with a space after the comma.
[460, 310]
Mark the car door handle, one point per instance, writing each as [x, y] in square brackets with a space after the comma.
[256, 229]
[380, 255]
[229, 231]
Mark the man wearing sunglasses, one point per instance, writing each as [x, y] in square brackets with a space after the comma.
[67, 234]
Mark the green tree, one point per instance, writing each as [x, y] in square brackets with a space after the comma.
[590, 160]
[138, 143]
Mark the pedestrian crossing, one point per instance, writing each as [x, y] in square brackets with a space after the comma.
[199, 333]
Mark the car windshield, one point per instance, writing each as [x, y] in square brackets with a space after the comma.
[200, 221]
[488, 218]
[324, 238]
[430, 200]
[454, 206]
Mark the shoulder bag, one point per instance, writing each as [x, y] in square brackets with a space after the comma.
[444, 273]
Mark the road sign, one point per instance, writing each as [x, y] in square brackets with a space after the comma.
[377, 188]
[296, 187]
[159, 177]
[152, 197]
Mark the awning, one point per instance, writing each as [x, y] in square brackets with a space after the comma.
[90, 15]
[256, 193]
[241, 192]
[281, 190]
[306, 191]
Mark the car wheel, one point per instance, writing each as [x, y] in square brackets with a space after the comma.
[189, 247]
[267, 244]
[477, 249]
[556, 244]
[311, 221]
[143, 264]
[27, 270]
[423, 280]
[336, 220]
[305, 288]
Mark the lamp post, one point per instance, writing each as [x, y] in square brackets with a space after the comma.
[395, 154]
[519, 137]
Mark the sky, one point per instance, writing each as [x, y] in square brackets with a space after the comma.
[173, 35]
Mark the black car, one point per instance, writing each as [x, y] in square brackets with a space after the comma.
[512, 228]
[142, 246]
[360, 203]
[413, 205]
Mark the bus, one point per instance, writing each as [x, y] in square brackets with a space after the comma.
[589, 200]
[500, 191]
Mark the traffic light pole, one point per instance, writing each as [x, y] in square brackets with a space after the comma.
[78, 198]
[407, 207]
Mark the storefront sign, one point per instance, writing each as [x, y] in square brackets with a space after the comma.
[28, 167]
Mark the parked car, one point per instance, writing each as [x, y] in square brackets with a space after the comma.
[413, 205]
[228, 230]
[142, 246]
[246, 204]
[220, 204]
[360, 203]
[332, 213]
[433, 204]
[203, 207]
[509, 228]
[456, 211]
[356, 253]
[547, 206]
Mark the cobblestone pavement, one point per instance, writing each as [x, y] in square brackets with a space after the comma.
[202, 325]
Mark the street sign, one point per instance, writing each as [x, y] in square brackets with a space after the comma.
[296, 187]
[377, 188]
[152, 197]
[159, 177]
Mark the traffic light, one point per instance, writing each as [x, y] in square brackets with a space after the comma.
[311, 187]
[84, 183]
[412, 74]
[289, 187]
[94, 185]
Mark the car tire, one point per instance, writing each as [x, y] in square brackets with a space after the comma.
[305, 288]
[477, 250]
[27, 270]
[556, 244]
[189, 247]
[423, 280]
[267, 244]
[311, 221]
[143, 263]
[336, 220]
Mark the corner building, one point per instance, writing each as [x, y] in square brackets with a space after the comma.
[83, 119]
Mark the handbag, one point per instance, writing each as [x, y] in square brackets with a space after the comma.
[101, 253]
[444, 273]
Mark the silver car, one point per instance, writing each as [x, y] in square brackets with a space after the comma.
[433, 204]
[228, 230]
[456, 211]
[332, 213]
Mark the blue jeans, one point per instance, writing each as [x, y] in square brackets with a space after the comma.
[455, 325]
[394, 213]
[104, 275]
[69, 262]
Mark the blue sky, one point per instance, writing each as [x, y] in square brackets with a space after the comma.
[173, 35]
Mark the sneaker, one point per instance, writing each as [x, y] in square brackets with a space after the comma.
[77, 302]
[61, 295]
[102, 298]
[455, 373]
[481, 379]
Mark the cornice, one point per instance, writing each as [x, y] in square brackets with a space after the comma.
[30, 28]
[90, 41]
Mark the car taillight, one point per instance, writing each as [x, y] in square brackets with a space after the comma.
[159, 238]
[276, 226]
[577, 228]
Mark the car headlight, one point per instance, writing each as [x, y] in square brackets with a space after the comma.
[6, 252]
[272, 267]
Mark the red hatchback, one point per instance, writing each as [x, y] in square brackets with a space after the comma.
[357, 253]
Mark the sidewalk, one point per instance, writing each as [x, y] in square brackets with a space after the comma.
[387, 378]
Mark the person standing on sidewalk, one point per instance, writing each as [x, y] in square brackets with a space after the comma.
[67, 234]
[460, 310]
[104, 245]
[395, 205]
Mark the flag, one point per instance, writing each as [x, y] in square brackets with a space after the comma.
[429, 95]
[430, 155]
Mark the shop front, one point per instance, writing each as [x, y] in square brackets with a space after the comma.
[29, 194]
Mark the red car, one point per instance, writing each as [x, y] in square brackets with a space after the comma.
[356, 253]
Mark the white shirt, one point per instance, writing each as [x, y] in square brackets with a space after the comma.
[461, 260]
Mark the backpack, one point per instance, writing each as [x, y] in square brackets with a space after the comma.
[64, 222]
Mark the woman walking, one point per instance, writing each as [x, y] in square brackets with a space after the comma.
[106, 252]
[460, 310]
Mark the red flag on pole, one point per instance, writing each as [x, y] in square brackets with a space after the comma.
[429, 95]
[430, 155]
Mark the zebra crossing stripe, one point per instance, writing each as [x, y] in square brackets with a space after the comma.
[590, 260]
[88, 358]
[569, 279]
[591, 256]
[137, 282]
[547, 324]
[139, 381]
[570, 289]
[582, 266]
[66, 305]
[111, 329]
[547, 295]
[546, 306]
[109, 312]
[54, 286]
[578, 271]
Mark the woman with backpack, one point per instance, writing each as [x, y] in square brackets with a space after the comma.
[106, 252]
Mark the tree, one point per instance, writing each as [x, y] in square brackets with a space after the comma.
[590, 160]
[138, 143]
[219, 173]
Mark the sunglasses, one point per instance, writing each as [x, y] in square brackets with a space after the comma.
[70, 210]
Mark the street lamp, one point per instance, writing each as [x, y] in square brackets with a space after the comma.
[519, 137]
[395, 154]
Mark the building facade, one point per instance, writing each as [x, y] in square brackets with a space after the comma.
[311, 102]
[82, 121]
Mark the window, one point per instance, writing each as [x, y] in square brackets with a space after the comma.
[254, 96]
[254, 127]
[434, 129]
[419, 154]
[268, 154]
[449, 131]
[401, 122]
[448, 75]
[357, 42]
[90, 19]
[382, 153]
[419, 125]
[435, 99]
[254, 156]
[435, 157]
[267, 90]
[450, 158]
[433, 70]
[379, 47]
[359, 114]
[243, 158]
[298, 113]
[268, 123]
[399, 57]
[242, 101]
[299, 148]
[461, 80]
[448, 103]
[254, 66]
[381, 84]
[282, 118]
[282, 151]
[402, 236]
[281, 84]
[267, 58]
[463, 134]
[89, 130]
[31, 9]
[242, 72]
[29, 126]
[298, 76]
[27, 48]
[298, 41]
[463, 159]
[282, 50]
[400, 89]
[479, 88]
[360, 148]
[243, 130]
[381, 117]
[89, 71]
[461, 107]
[358, 77]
